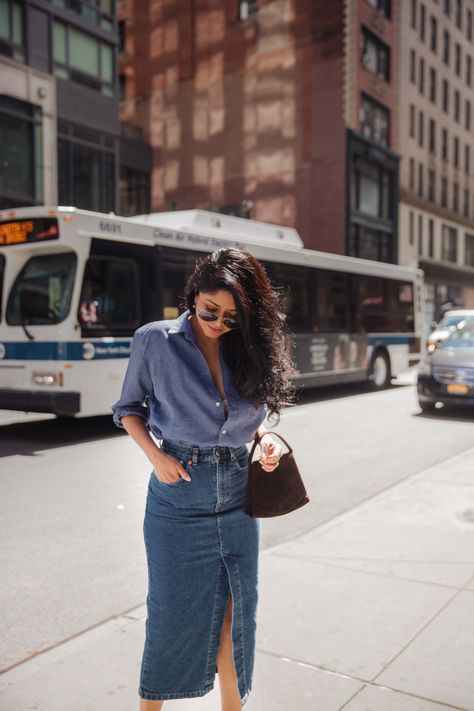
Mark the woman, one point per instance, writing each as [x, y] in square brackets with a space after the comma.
[203, 384]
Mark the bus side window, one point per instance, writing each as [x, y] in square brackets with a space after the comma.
[109, 296]
[295, 281]
[332, 301]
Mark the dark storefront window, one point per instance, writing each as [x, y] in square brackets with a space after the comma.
[12, 35]
[375, 55]
[134, 191]
[374, 121]
[82, 58]
[86, 176]
[21, 165]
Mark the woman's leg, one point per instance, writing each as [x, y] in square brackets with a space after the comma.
[228, 685]
[146, 705]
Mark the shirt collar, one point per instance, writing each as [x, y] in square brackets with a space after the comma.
[182, 324]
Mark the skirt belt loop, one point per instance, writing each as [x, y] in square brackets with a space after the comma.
[195, 455]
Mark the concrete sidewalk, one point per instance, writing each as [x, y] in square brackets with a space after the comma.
[373, 611]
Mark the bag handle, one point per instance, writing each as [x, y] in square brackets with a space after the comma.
[257, 441]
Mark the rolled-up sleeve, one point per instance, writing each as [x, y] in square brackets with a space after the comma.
[137, 384]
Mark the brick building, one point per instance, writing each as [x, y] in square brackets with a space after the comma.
[283, 110]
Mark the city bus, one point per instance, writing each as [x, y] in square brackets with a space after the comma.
[75, 285]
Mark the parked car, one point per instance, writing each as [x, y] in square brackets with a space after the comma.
[447, 374]
[446, 326]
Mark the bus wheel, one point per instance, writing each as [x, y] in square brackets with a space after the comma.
[380, 376]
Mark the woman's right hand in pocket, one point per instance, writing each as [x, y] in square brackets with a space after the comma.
[167, 468]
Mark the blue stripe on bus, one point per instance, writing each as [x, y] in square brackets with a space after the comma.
[63, 350]
[391, 340]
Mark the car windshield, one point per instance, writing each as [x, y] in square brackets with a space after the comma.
[462, 337]
[448, 321]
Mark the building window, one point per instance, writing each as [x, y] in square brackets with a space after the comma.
[444, 192]
[457, 106]
[421, 76]
[432, 137]
[21, 150]
[412, 228]
[121, 36]
[430, 237]
[82, 58]
[431, 185]
[247, 8]
[100, 12]
[374, 120]
[135, 192]
[469, 250]
[469, 25]
[447, 7]
[420, 234]
[422, 22]
[467, 115]
[457, 59]
[371, 189]
[370, 243]
[375, 55]
[12, 33]
[433, 85]
[468, 70]
[446, 47]
[383, 6]
[412, 173]
[86, 169]
[412, 120]
[122, 86]
[420, 179]
[456, 152]
[421, 128]
[412, 66]
[433, 33]
[445, 96]
[414, 8]
[458, 13]
[449, 243]
[466, 203]
[444, 144]
[455, 197]
[467, 159]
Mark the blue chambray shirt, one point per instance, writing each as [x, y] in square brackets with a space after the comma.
[168, 383]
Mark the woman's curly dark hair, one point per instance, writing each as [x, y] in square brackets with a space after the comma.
[258, 353]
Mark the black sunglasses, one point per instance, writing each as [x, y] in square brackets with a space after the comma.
[206, 315]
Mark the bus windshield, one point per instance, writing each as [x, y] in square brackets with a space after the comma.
[42, 291]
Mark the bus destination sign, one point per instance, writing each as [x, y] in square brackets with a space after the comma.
[33, 230]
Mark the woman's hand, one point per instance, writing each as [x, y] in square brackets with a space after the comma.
[169, 468]
[271, 452]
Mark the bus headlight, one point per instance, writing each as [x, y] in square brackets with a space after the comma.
[45, 378]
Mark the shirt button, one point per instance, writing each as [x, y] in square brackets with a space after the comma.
[218, 404]
[224, 431]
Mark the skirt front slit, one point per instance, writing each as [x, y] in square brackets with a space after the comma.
[201, 549]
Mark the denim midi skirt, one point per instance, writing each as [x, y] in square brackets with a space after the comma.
[201, 549]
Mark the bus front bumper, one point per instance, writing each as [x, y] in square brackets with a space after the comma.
[55, 402]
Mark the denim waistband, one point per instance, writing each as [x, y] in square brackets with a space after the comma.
[196, 453]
